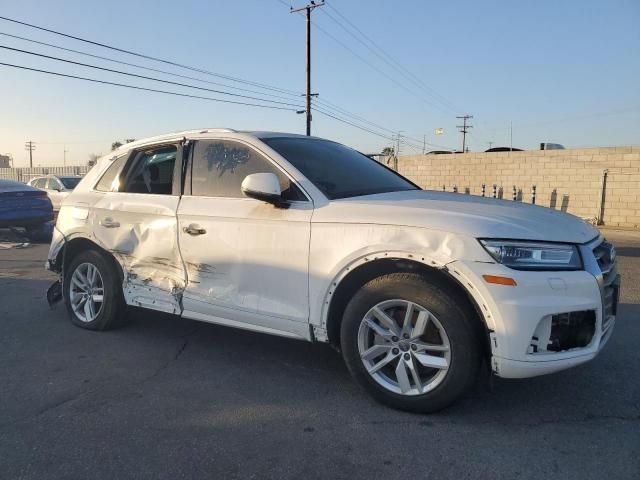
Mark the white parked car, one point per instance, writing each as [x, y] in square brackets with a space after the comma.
[58, 187]
[306, 238]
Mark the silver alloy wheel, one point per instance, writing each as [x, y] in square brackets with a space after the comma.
[404, 347]
[86, 292]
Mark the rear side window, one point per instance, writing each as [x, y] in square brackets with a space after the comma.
[152, 171]
[110, 181]
[39, 183]
[220, 166]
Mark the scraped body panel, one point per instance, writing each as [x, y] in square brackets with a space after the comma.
[141, 232]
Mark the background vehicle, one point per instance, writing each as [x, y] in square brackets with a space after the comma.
[25, 206]
[306, 238]
[57, 187]
[503, 149]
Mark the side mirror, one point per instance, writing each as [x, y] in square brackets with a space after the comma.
[265, 187]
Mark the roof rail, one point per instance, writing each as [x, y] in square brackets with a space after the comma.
[220, 130]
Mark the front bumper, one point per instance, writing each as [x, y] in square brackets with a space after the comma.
[519, 316]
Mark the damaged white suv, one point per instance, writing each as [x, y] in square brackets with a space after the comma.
[306, 238]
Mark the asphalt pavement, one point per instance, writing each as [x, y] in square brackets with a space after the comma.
[168, 398]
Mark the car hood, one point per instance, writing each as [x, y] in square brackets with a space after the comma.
[470, 215]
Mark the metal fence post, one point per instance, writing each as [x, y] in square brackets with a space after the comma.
[533, 194]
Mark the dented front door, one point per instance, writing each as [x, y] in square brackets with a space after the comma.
[141, 232]
[135, 219]
[246, 260]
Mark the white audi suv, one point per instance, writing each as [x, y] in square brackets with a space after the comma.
[309, 239]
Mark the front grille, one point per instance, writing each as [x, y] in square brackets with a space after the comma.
[605, 254]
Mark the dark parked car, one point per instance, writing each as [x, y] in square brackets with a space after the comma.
[25, 206]
[504, 149]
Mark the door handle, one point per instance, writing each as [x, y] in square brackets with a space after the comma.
[194, 229]
[109, 223]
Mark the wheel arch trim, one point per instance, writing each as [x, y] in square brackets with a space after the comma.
[480, 305]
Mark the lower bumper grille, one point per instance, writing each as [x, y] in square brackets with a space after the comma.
[605, 255]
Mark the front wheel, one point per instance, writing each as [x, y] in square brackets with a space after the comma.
[410, 342]
[93, 293]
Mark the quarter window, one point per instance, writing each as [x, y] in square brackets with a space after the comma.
[110, 181]
[219, 167]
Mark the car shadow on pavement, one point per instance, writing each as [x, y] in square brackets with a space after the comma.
[229, 376]
[628, 251]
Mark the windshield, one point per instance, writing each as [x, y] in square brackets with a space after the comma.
[338, 171]
[70, 182]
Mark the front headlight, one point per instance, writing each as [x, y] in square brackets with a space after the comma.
[534, 255]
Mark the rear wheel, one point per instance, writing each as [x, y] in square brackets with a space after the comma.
[411, 343]
[93, 292]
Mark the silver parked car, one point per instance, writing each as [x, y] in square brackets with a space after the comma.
[57, 187]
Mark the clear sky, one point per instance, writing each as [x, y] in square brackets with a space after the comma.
[565, 71]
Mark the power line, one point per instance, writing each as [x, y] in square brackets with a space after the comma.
[374, 67]
[135, 87]
[144, 77]
[328, 104]
[392, 63]
[351, 123]
[165, 72]
[417, 79]
[259, 85]
[362, 59]
[149, 57]
[373, 132]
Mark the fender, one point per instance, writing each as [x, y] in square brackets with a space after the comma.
[359, 258]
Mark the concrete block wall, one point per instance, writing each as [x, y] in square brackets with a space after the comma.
[570, 180]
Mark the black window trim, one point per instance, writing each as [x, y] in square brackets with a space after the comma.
[194, 142]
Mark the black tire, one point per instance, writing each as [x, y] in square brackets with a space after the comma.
[40, 233]
[454, 314]
[112, 312]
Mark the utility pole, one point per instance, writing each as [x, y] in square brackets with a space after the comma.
[64, 156]
[424, 143]
[30, 146]
[490, 145]
[464, 129]
[398, 137]
[309, 8]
